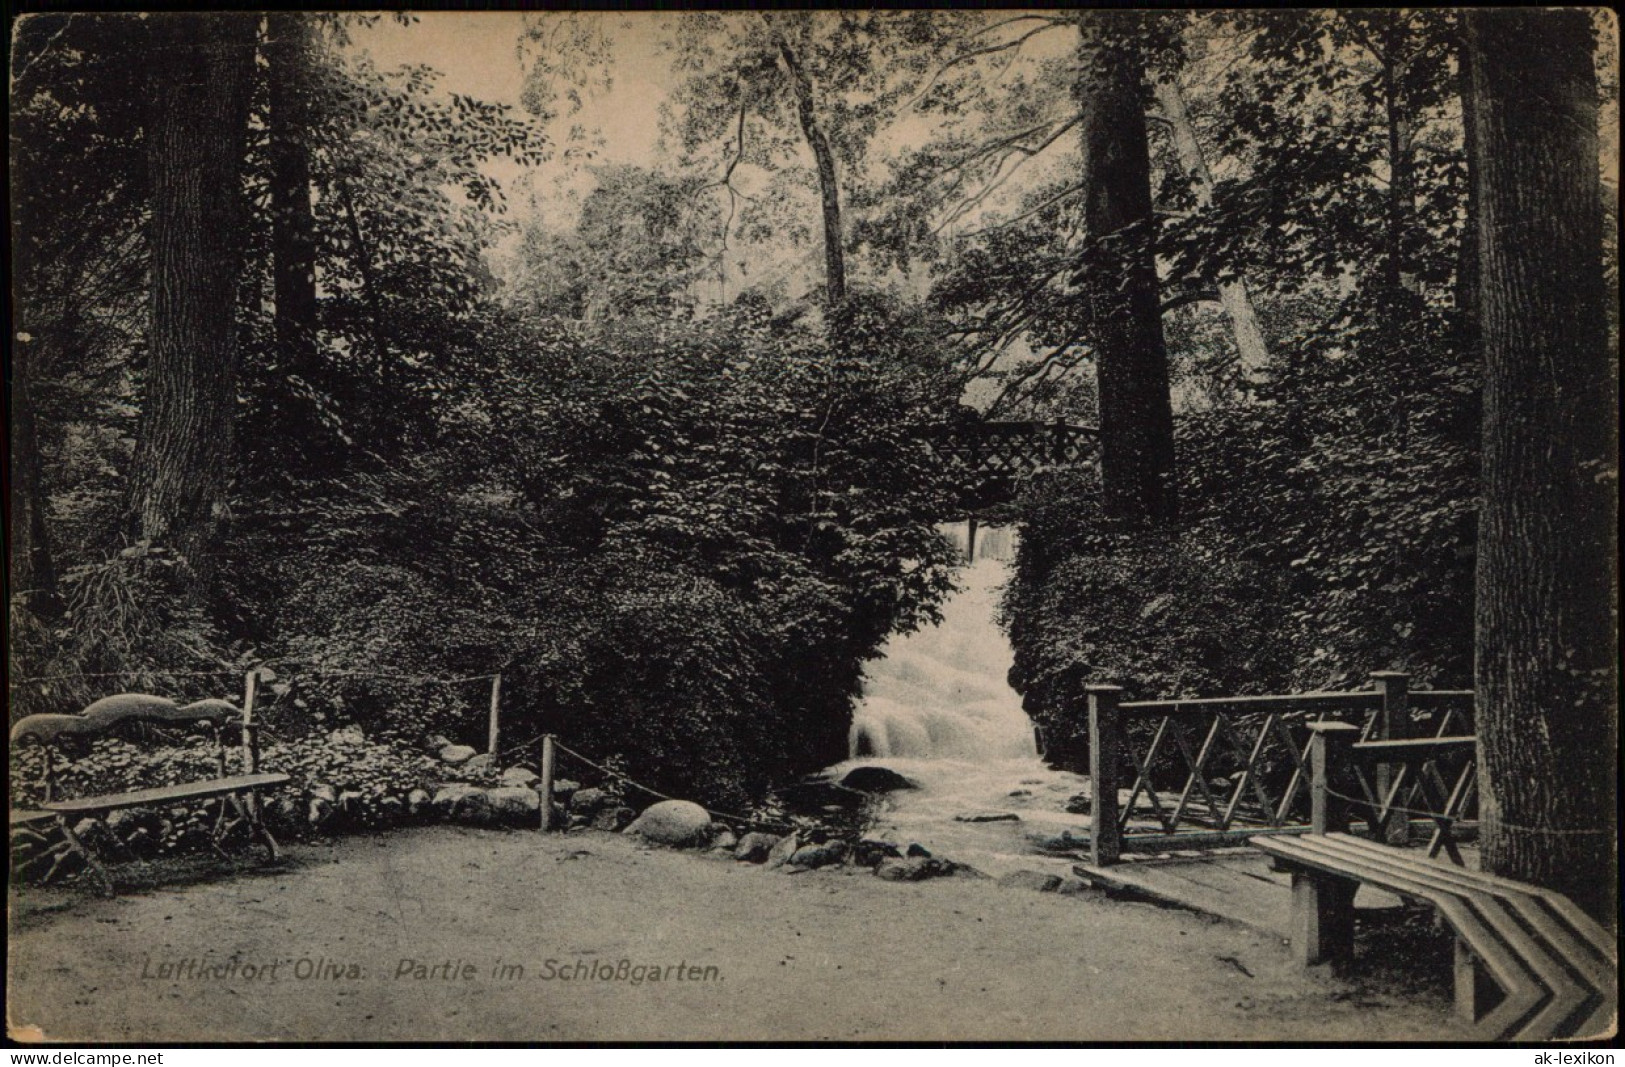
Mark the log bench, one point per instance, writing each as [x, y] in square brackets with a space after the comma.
[240, 808]
[1530, 965]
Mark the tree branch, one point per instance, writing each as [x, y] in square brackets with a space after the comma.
[1179, 300]
[1042, 366]
[966, 57]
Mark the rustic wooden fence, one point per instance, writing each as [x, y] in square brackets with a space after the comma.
[1189, 773]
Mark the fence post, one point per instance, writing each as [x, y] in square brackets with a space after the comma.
[250, 683]
[547, 782]
[251, 748]
[1105, 759]
[1329, 754]
[494, 728]
[1393, 720]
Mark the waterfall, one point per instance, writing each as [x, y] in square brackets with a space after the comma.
[941, 692]
[937, 708]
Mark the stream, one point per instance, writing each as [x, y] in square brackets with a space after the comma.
[937, 708]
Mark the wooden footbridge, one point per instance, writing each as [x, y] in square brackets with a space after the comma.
[992, 457]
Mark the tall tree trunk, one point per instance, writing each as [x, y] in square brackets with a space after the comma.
[202, 65]
[1253, 351]
[289, 42]
[1546, 577]
[1119, 278]
[299, 440]
[1401, 166]
[32, 565]
[1467, 285]
[828, 188]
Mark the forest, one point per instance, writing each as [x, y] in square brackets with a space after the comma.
[300, 379]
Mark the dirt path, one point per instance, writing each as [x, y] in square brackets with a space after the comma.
[832, 955]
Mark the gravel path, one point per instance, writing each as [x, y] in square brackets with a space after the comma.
[447, 934]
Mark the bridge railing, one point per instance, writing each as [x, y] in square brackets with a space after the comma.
[1010, 449]
[1192, 772]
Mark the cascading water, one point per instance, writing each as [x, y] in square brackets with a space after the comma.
[937, 708]
[941, 693]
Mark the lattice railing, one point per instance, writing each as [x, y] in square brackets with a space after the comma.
[990, 457]
[1209, 770]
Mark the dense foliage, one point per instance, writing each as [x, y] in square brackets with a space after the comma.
[1328, 533]
[678, 542]
[677, 531]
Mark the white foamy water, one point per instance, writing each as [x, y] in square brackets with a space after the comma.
[938, 709]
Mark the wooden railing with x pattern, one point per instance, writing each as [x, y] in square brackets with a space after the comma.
[991, 457]
[1187, 773]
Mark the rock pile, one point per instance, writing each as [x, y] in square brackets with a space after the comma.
[458, 784]
[681, 824]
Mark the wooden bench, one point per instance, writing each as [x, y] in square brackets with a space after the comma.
[1529, 964]
[239, 792]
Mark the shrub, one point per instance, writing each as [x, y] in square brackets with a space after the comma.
[1327, 532]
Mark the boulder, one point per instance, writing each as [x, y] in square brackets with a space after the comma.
[1066, 841]
[480, 764]
[987, 816]
[456, 755]
[724, 841]
[808, 856]
[474, 808]
[518, 776]
[876, 780]
[755, 847]
[1034, 880]
[782, 850]
[613, 819]
[322, 791]
[132, 820]
[917, 850]
[416, 801]
[515, 805]
[390, 809]
[678, 823]
[868, 853]
[448, 798]
[564, 789]
[347, 735]
[438, 742]
[895, 869]
[915, 869]
[821, 797]
[589, 801]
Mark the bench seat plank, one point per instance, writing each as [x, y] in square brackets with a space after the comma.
[1536, 906]
[1523, 991]
[1526, 920]
[166, 794]
[1584, 924]
[1387, 867]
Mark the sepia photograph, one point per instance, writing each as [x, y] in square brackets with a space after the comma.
[1093, 526]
